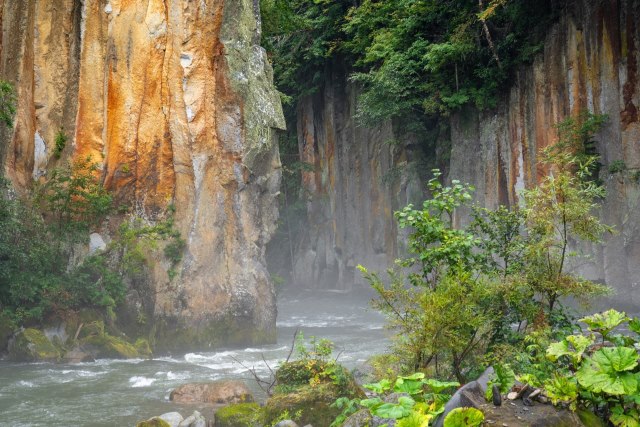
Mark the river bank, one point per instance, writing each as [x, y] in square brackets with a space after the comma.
[121, 392]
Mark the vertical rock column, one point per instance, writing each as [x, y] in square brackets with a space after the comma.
[174, 99]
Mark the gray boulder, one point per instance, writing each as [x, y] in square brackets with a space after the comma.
[172, 418]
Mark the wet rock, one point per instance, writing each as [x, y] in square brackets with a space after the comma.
[238, 415]
[496, 396]
[32, 345]
[194, 420]
[153, 422]
[77, 356]
[109, 347]
[516, 414]
[172, 418]
[217, 392]
[363, 418]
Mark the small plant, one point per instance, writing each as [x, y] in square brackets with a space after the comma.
[602, 377]
[7, 103]
[60, 143]
[422, 399]
[464, 417]
[617, 166]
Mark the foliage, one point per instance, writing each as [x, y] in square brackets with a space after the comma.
[464, 417]
[561, 209]
[462, 288]
[604, 378]
[420, 400]
[412, 56]
[503, 377]
[36, 276]
[60, 143]
[7, 103]
[42, 270]
[73, 199]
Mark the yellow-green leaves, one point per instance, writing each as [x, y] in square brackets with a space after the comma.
[572, 346]
[464, 417]
[605, 322]
[607, 371]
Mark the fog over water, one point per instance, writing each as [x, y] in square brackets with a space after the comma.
[122, 392]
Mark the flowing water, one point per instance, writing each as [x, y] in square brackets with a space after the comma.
[122, 392]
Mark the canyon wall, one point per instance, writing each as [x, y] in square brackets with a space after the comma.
[174, 99]
[590, 62]
[359, 176]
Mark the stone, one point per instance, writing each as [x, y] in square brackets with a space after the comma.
[513, 395]
[363, 418]
[237, 415]
[32, 345]
[194, 420]
[287, 423]
[77, 356]
[215, 392]
[172, 418]
[109, 347]
[96, 243]
[153, 422]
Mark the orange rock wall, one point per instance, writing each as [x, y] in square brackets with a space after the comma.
[590, 62]
[174, 99]
[359, 177]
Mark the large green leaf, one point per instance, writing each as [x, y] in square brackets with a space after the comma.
[415, 419]
[438, 386]
[396, 411]
[464, 417]
[634, 325]
[380, 387]
[605, 322]
[408, 385]
[608, 371]
[620, 418]
[572, 346]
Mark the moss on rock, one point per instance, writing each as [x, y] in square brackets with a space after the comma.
[33, 345]
[153, 422]
[108, 346]
[238, 415]
[143, 347]
[312, 399]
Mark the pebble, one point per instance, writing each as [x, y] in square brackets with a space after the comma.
[513, 395]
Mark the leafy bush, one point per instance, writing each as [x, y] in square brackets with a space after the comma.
[602, 377]
[462, 288]
[421, 401]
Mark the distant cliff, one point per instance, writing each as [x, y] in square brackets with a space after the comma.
[590, 62]
[174, 99]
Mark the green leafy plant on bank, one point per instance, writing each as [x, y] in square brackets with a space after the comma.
[603, 377]
[421, 401]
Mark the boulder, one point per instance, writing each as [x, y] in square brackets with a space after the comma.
[287, 423]
[32, 345]
[217, 392]
[77, 355]
[108, 346]
[172, 418]
[238, 415]
[194, 420]
[153, 422]
[363, 418]
[511, 413]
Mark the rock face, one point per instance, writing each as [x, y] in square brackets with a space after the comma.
[174, 99]
[359, 177]
[216, 392]
[590, 62]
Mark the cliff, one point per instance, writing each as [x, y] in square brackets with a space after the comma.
[590, 62]
[359, 176]
[174, 99]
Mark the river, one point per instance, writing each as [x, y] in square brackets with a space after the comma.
[119, 393]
